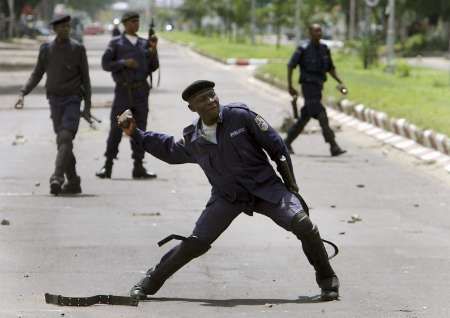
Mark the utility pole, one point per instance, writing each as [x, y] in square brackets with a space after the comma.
[351, 31]
[252, 21]
[298, 29]
[11, 18]
[390, 37]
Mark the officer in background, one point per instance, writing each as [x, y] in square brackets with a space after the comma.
[228, 142]
[130, 59]
[314, 60]
[65, 62]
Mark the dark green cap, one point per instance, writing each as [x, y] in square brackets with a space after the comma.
[60, 19]
[129, 15]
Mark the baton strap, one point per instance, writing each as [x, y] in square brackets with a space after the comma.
[336, 249]
[89, 301]
[170, 238]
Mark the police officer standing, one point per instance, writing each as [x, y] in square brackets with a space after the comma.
[65, 62]
[314, 60]
[131, 60]
[228, 142]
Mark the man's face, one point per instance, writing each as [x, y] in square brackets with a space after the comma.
[131, 26]
[206, 104]
[62, 30]
[315, 32]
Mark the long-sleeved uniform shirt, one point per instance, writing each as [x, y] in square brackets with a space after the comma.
[119, 49]
[314, 62]
[67, 70]
[237, 165]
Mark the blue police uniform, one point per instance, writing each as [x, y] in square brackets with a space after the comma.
[314, 61]
[236, 167]
[131, 90]
[242, 180]
[66, 65]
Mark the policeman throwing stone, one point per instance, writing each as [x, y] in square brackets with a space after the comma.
[130, 59]
[314, 60]
[65, 62]
[228, 142]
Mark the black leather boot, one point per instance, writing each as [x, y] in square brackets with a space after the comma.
[55, 184]
[139, 171]
[317, 256]
[171, 262]
[72, 186]
[335, 150]
[106, 170]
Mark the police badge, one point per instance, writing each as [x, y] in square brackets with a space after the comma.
[262, 124]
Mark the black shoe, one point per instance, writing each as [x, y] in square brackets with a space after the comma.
[55, 185]
[330, 289]
[139, 172]
[105, 171]
[146, 286]
[72, 186]
[336, 151]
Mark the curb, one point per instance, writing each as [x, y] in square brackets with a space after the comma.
[398, 126]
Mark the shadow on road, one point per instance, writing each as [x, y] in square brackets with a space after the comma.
[239, 302]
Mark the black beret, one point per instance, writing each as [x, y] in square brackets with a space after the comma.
[129, 15]
[195, 88]
[60, 19]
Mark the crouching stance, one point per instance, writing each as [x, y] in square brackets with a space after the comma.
[228, 142]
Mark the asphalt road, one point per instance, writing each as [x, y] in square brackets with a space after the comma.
[395, 262]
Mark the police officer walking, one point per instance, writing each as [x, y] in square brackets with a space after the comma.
[228, 142]
[314, 60]
[131, 60]
[65, 62]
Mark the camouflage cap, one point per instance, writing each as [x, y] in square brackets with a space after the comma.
[196, 87]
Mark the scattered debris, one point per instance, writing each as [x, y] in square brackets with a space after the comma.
[19, 140]
[360, 185]
[37, 184]
[147, 214]
[332, 206]
[268, 305]
[26, 275]
[416, 205]
[341, 233]
[5, 222]
[355, 218]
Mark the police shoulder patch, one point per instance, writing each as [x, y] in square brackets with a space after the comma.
[262, 124]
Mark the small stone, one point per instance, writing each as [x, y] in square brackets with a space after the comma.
[332, 206]
[37, 184]
[416, 205]
[360, 185]
[341, 233]
[268, 305]
[26, 275]
[5, 222]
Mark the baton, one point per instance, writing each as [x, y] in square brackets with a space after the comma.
[294, 106]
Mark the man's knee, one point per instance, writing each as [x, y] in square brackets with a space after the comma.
[302, 225]
[64, 137]
[194, 247]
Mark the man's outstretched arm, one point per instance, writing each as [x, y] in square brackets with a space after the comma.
[161, 146]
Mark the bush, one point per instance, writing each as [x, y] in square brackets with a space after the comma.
[403, 69]
[414, 45]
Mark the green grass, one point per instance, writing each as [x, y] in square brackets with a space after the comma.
[423, 97]
[222, 48]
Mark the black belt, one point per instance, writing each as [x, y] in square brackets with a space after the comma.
[88, 301]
